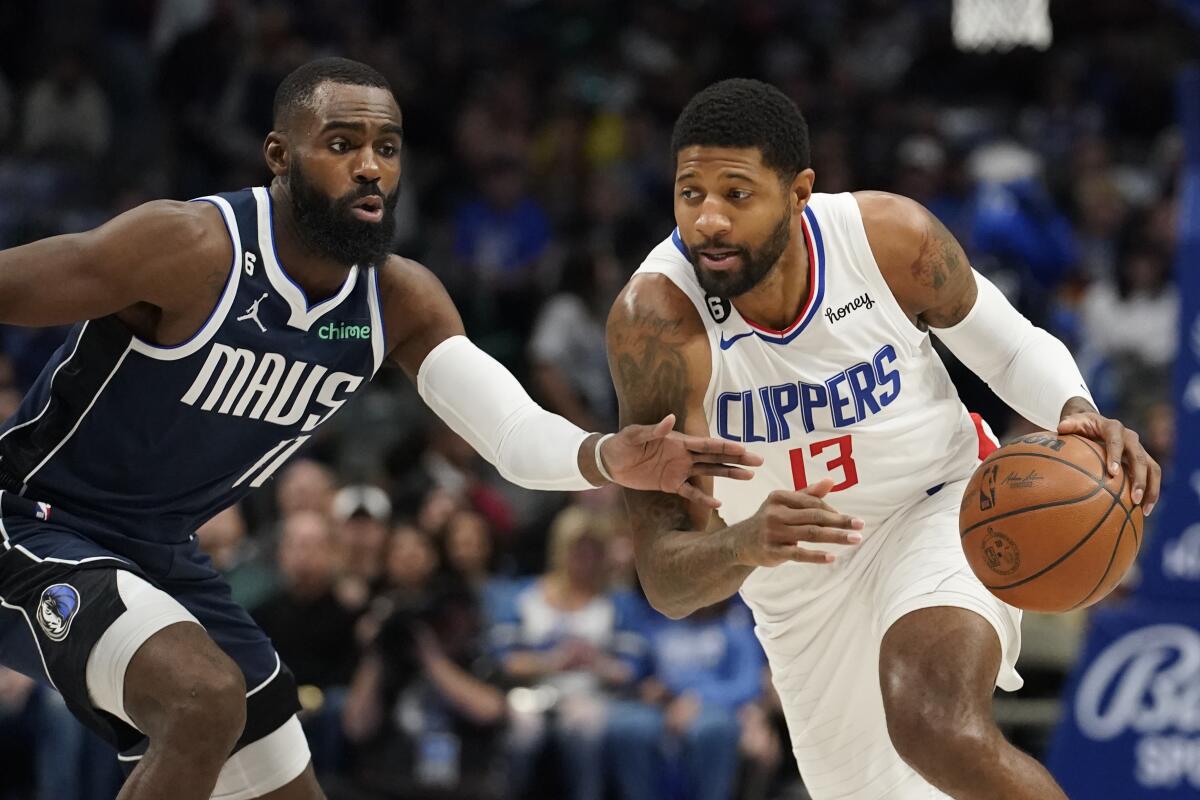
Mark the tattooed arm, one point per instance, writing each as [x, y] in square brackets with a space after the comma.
[921, 261]
[686, 557]
[659, 359]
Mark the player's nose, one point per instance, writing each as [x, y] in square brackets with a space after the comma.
[712, 222]
[366, 168]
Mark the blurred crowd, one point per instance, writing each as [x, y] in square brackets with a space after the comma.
[457, 637]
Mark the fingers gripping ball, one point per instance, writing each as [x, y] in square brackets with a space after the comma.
[1045, 527]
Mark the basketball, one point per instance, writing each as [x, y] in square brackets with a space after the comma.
[1045, 527]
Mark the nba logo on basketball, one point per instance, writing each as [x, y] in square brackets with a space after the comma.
[987, 492]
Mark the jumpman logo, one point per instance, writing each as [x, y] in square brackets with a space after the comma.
[252, 313]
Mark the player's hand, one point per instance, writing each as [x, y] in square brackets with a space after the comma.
[657, 458]
[1121, 445]
[774, 535]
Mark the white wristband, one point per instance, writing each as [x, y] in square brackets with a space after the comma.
[600, 461]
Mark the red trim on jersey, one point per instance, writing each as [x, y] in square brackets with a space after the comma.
[812, 288]
[986, 445]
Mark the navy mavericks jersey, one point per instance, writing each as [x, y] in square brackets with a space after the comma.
[150, 441]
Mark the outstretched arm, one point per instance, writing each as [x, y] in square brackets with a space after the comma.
[1027, 367]
[482, 402]
[133, 258]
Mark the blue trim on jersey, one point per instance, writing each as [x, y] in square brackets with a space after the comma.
[819, 247]
[678, 240]
[275, 251]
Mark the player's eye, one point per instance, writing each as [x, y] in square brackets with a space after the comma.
[688, 194]
[339, 146]
[388, 150]
[738, 194]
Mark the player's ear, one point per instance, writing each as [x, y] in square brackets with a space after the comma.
[275, 151]
[802, 187]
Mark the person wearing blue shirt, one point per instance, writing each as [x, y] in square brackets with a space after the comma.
[681, 737]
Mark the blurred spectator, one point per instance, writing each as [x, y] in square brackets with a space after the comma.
[422, 709]
[469, 556]
[1016, 219]
[1130, 330]
[560, 637]
[312, 631]
[1160, 432]
[1137, 315]
[410, 564]
[41, 743]
[1102, 214]
[567, 350]
[447, 475]
[66, 113]
[437, 507]
[248, 569]
[494, 123]
[500, 239]
[503, 232]
[362, 518]
[682, 739]
[304, 485]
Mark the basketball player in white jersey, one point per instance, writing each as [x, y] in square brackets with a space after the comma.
[798, 325]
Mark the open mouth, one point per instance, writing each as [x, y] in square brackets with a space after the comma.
[719, 259]
[368, 209]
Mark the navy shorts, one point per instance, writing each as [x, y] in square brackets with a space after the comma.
[59, 594]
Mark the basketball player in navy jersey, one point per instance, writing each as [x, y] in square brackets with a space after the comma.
[798, 323]
[201, 365]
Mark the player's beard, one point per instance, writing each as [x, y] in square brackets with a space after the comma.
[756, 263]
[329, 228]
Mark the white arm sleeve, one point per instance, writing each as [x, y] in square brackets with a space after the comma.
[483, 403]
[1024, 365]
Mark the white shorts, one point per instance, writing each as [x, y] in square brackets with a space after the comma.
[825, 656]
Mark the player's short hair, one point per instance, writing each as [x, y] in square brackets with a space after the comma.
[297, 88]
[740, 112]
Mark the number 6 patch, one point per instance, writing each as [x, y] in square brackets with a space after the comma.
[718, 307]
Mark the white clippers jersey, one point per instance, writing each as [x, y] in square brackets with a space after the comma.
[850, 391]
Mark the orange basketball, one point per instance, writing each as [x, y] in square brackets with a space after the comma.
[1045, 527]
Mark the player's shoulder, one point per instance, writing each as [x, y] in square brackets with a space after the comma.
[897, 228]
[415, 305]
[176, 223]
[657, 344]
[653, 303]
[167, 233]
[886, 215]
[401, 279]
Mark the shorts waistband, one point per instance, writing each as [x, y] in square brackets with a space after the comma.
[13, 505]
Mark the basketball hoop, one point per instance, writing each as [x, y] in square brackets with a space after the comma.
[1001, 25]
